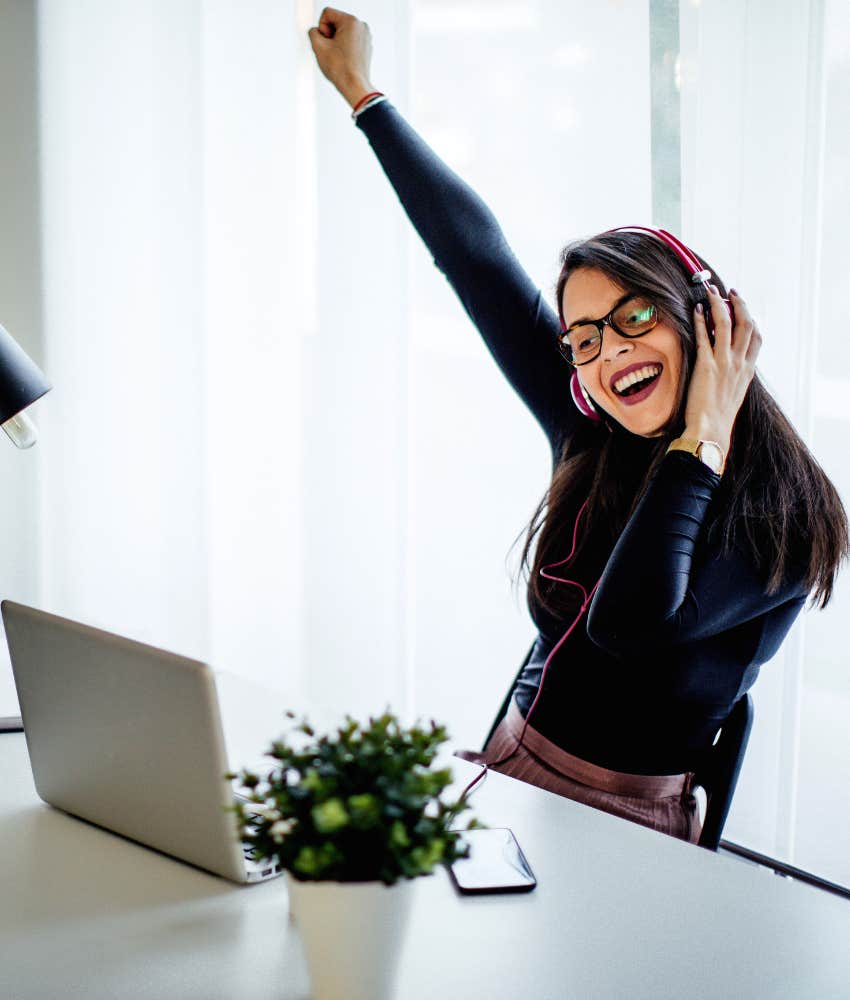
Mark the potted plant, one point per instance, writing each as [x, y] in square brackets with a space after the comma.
[352, 817]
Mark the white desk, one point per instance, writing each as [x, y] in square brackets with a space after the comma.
[620, 913]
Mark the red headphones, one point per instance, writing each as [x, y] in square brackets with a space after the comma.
[698, 274]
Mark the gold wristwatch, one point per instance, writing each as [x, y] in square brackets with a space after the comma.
[708, 452]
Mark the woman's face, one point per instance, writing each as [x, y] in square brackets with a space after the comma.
[590, 294]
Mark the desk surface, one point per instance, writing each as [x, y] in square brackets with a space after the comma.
[619, 912]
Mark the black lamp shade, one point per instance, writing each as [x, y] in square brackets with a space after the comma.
[21, 380]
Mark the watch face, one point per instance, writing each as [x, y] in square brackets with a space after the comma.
[711, 455]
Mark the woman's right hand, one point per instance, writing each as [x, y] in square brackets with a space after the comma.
[342, 46]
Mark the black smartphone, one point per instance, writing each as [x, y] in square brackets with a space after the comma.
[495, 864]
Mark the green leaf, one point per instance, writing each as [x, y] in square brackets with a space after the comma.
[312, 781]
[365, 810]
[398, 835]
[330, 816]
[307, 861]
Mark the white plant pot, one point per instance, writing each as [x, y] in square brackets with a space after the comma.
[352, 933]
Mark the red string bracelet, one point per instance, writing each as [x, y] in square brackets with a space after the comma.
[363, 100]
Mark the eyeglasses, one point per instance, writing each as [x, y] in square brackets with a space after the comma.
[632, 316]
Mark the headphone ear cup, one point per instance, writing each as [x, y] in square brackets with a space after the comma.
[582, 399]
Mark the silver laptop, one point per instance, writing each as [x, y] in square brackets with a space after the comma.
[129, 737]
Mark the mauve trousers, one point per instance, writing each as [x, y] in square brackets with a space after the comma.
[663, 802]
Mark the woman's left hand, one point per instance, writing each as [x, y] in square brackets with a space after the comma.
[722, 372]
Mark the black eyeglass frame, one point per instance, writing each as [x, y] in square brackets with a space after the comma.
[566, 350]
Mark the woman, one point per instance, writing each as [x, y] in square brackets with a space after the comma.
[693, 520]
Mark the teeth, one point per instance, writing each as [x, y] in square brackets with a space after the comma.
[621, 384]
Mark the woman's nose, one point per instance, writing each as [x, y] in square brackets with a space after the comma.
[613, 343]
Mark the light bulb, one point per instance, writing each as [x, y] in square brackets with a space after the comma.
[21, 430]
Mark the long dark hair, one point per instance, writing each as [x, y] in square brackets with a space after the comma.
[774, 500]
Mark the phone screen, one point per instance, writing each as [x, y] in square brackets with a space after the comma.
[495, 864]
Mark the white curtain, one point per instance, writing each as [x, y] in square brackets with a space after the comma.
[172, 444]
[764, 168]
[512, 96]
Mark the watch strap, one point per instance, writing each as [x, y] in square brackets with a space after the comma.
[693, 447]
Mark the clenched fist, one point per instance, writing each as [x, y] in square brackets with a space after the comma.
[342, 46]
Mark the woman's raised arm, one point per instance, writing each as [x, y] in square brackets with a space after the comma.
[467, 244]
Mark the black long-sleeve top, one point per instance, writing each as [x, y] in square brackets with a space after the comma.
[675, 632]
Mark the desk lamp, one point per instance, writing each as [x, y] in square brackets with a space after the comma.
[21, 384]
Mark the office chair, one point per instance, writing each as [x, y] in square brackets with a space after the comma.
[718, 773]
[503, 711]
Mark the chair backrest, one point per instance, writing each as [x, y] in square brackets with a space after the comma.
[719, 772]
[503, 711]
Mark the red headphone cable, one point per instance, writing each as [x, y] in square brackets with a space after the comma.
[585, 604]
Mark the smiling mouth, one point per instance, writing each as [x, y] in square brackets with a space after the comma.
[639, 390]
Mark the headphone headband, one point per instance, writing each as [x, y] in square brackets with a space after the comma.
[684, 253]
